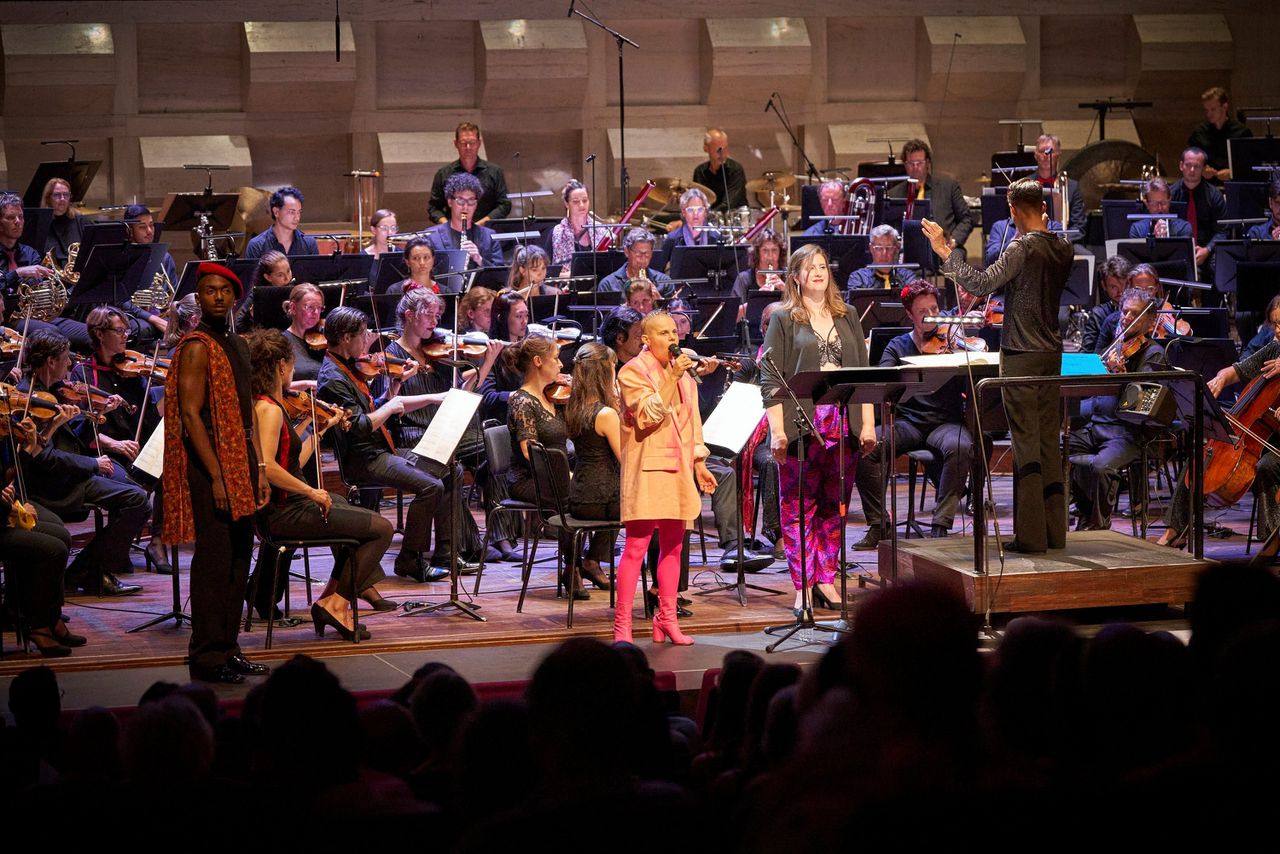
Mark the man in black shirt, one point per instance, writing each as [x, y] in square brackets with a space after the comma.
[493, 202]
[284, 235]
[934, 421]
[1211, 135]
[1033, 271]
[1106, 445]
[369, 454]
[724, 175]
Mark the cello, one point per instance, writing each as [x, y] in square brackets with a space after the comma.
[1230, 467]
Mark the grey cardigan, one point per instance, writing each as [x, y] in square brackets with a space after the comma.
[795, 350]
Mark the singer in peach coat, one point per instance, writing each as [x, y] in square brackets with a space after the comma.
[663, 467]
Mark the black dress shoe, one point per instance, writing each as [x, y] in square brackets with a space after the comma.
[245, 667]
[465, 566]
[68, 639]
[221, 673]
[112, 586]
[435, 573]
[869, 540]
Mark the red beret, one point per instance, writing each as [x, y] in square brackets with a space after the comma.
[212, 268]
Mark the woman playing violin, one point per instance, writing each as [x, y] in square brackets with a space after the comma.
[475, 310]
[298, 510]
[528, 275]
[304, 308]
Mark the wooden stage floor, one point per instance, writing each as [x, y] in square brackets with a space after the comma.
[508, 645]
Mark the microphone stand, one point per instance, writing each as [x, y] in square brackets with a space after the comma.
[810, 170]
[804, 427]
[622, 41]
[595, 256]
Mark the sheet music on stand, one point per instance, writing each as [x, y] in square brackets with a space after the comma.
[734, 418]
[151, 458]
[447, 426]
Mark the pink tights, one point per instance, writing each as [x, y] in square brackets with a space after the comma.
[670, 541]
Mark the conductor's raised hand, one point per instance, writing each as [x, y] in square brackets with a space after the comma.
[938, 239]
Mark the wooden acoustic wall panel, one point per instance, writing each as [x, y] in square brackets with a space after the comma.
[291, 67]
[164, 156]
[62, 69]
[666, 69]
[316, 165]
[23, 155]
[1077, 133]
[745, 59]
[653, 152]
[871, 59]
[190, 68]
[850, 145]
[548, 158]
[990, 58]
[1091, 54]
[426, 65]
[4, 169]
[409, 164]
[530, 64]
[1181, 54]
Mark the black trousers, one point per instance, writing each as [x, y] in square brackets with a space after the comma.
[34, 562]
[430, 504]
[300, 518]
[127, 508]
[1110, 449]
[219, 571]
[951, 441]
[1035, 430]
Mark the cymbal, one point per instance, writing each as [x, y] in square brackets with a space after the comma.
[770, 181]
[667, 191]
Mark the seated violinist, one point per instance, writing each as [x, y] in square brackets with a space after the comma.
[1267, 332]
[304, 307]
[1144, 277]
[1108, 443]
[934, 421]
[369, 453]
[126, 428]
[66, 476]
[299, 510]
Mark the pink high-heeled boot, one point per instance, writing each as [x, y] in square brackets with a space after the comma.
[665, 625]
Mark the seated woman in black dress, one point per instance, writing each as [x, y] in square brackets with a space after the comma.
[532, 416]
[510, 323]
[299, 511]
[593, 423]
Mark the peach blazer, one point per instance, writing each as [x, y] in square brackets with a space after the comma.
[659, 444]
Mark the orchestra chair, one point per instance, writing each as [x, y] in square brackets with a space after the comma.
[11, 595]
[919, 464]
[73, 517]
[366, 495]
[344, 549]
[550, 467]
[498, 451]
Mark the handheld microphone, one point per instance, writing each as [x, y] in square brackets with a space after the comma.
[676, 353]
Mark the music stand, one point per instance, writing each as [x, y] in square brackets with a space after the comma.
[1253, 263]
[1250, 157]
[78, 173]
[916, 248]
[206, 213]
[846, 252]
[108, 269]
[880, 307]
[880, 338]
[1245, 199]
[35, 227]
[724, 324]
[719, 265]
[734, 439]
[391, 269]
[1115, 216]
[1205, 322]
[1079, 287]
[893, 211]
[1172, 257]
[596, 264]
[1011, 165]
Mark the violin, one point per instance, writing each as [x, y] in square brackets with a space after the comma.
[1166, 324]
[458, 350]
[949, 340]
[10, 341]
[315, 339]
[40, 406]
[297, 405]
[131, 363]
[82, 394]
[559, 390]
[371, 365]
[1126, 345]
